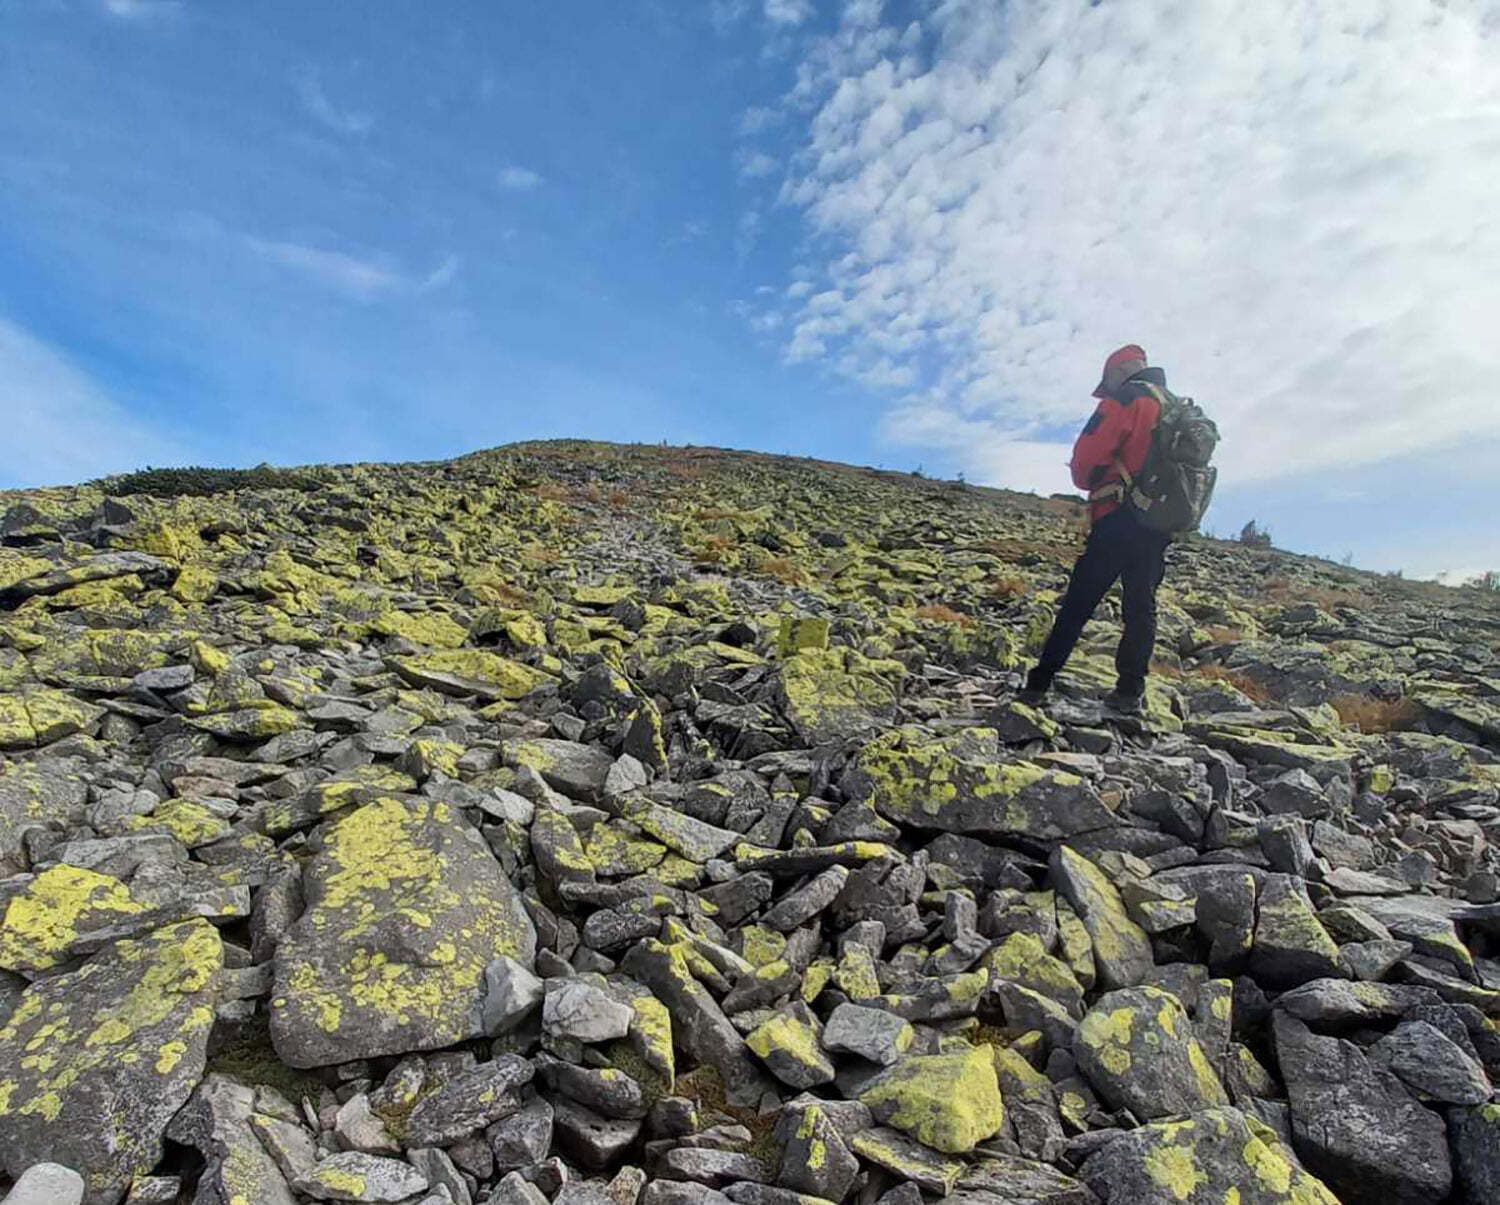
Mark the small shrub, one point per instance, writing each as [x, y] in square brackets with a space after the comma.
[1011, 586]
[1372, 715]
[940, 613]
[196, 481]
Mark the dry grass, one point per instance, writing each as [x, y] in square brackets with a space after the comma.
[618, 500]
[940, 613]
[1371, 715]
[1010, 586]
[1327, 598]
[714, 549]
[1221, 634]
[505, 593]
[1246, 685]
[784, 570]
[550, 491]
[704, 1087]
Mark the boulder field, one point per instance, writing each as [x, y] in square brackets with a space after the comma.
[608, 825]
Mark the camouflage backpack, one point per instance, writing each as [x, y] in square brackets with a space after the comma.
[1176, 484]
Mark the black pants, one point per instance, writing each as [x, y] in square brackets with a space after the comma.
[1119, 549]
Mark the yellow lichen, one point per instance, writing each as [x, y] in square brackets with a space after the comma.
[1174, 1169]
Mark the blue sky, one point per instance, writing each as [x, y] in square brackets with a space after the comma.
[899, 234]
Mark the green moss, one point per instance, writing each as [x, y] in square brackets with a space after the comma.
[251, 1059]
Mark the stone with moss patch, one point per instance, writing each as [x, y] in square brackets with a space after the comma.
[1121, 950]
[961, 784]
[406, 907]
[829, 694]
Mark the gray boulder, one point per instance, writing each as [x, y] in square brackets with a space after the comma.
[1355, 1124]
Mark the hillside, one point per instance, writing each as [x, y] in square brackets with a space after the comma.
[584, 823]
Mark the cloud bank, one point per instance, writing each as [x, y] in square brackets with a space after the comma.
[1290, 205]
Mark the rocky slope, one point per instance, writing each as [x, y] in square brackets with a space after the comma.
[582, 823]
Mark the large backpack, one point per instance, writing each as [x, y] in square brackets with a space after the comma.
[1172, 491]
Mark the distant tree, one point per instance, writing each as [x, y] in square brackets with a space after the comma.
[1254, 536]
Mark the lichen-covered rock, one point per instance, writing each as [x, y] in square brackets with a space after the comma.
[575, 769]
[960, 785]
[1139, 1051]
[830, 694]
[950, 1102]
[38, 715]
[1291, 945]
[788, 1045]
[1474, 1138]
[815, 1158]
[406, 908]
[356, 1176]
[94, 1062]
[1217, 1155]
[1121, 949]
[470, 672]
[46, 920]
[37, 795]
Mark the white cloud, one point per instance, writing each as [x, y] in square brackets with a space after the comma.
[316, 102]
[440, 277]
[361, 279]
[356, 277]
[756, 165]
[758, 119]
[60, 426]
[788, 12]
[519, 179]
[1284, 202]
[140, 10]
[723, 15]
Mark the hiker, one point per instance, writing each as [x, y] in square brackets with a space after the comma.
[1143, 458]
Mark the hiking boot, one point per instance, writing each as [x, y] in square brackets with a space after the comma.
[1033, 692]
[1121, 703]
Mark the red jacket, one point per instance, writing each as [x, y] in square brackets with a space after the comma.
[1121, 427]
